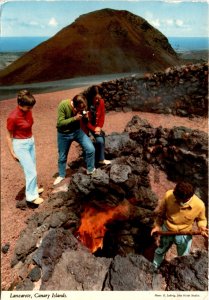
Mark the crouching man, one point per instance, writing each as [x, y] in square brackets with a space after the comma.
[177, 213]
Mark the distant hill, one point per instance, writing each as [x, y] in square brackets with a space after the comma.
[7, 58]
[101, 42]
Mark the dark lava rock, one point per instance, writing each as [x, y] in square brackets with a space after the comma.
[78, 270]
[188, 273]
[5, 248]
[51, 249]
[35, 274]
[26, 285]
[119, 173]
[130, 273]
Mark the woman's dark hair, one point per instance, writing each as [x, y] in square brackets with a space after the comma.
[78, 100]
[183, 191]
[92, 92]
[25, 98]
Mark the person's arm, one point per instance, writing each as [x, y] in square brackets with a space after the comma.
[202, 222]
[89, 123]
[101, 116]
[84, 125]
[9, 137]
[91, 127]
[63, 119]
[160, 216]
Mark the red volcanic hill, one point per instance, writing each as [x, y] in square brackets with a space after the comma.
[101, 42]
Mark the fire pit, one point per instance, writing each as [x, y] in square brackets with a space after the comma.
[115, 231]
[93, 226]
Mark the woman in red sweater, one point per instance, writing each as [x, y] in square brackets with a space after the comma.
[21, 143]
[95, 122]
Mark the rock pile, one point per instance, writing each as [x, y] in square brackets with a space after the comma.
[48, 252]
[185, 268]
[181, 91]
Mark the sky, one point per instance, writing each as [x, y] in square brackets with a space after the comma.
[174, 18]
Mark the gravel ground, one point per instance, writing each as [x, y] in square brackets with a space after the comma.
[44, 130]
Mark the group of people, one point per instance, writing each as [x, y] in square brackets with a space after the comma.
[77, 120]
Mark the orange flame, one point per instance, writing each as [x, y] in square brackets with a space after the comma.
[92, 229]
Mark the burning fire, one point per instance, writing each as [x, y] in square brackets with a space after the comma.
[92, 229]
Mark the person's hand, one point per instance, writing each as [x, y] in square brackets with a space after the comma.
[155, 229]
[156, 237]
[97, 130]
[78, 116]
[204, 231]
[15, 157]
[86, 116]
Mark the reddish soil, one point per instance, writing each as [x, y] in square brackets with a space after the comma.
[44, 130]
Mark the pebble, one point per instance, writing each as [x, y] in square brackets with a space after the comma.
[5, 248]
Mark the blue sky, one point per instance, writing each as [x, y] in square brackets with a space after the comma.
[47, 17]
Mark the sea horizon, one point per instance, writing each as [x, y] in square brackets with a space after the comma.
[25, 44]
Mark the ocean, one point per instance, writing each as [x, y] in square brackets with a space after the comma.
[182, 44]
[20, 44]
[24, 44]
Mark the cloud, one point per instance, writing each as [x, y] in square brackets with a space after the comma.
[160, 23]
[148, 15]
[173, 1]
[15, 22]
[169, 22]
[179, 23]
[155, 22]
[151, 19]
[33, 23]
[180, 1]
[53, 22]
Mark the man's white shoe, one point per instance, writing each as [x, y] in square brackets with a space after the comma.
[58, 180]
[105, 162]
[90, 172]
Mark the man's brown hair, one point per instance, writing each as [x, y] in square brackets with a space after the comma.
[183, 191]
[78, 100]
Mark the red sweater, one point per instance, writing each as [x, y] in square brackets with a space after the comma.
[100, 117]
[20, 123]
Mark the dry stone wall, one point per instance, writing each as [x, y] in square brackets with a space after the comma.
[179, 91]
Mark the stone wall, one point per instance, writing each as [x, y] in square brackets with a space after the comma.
[182, 153]
[179, 91]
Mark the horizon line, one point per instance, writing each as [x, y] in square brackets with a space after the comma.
[40, 36]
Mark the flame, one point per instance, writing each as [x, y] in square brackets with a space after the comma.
[92, 229]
